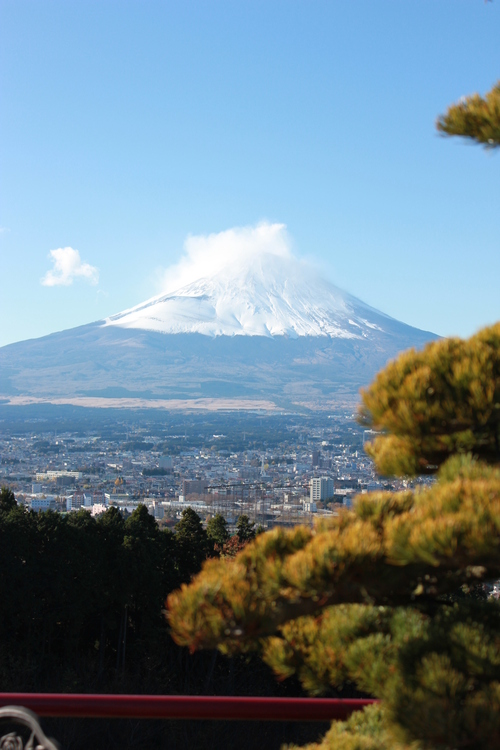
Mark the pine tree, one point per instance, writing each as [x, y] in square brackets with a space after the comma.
[432, 404]
[191, 543]
[245, 528]
[217, 531]
[381, 596]
[7, 499]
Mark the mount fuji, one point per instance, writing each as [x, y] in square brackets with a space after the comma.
[266, 328]
[271, 296]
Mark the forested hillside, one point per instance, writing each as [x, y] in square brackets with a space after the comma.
[82, 611]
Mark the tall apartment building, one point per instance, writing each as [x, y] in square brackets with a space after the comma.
[98, 497]
[75, 501]
[156, 509]
[321, 489]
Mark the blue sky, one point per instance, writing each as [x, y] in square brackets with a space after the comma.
[127, 126]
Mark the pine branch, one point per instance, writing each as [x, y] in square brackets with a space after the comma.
[403, 549]
[474, 117]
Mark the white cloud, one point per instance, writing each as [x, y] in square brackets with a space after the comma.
[206, 256]
[68, 266]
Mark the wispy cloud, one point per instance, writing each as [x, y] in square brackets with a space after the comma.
[67, 266]
[206, 256]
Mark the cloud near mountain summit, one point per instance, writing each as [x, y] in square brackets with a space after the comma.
[206, 256]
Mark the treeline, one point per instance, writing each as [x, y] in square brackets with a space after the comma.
[83, 611]
[156, 472]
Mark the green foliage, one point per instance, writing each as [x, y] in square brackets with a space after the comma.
[68, 580]
[448, 679]
[156, 472]
[82, 602]
[386, 598]
[428, 659]
[391, 549]
[217, 530]
[325, 650]
[245, 529]
[191, 543]
[432, 404]
[474, 117]
[440, 672]
[7, 500]
[146, 548]
[364, 730]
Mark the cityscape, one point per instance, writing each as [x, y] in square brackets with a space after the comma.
[302, 471]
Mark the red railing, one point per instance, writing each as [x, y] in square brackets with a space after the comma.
[184, 706]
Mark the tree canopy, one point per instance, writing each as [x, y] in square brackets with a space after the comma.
[386, 598]
[82, 602]
[245, 528]
[217, 530]
[192, 543]
[430, 404]
[474, 117]
[7, 499]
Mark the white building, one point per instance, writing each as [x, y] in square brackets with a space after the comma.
[310, 507]
[42, 476]
[43, 503]
[75, 501]
[156, 509]
[321, 489]
[81, 499]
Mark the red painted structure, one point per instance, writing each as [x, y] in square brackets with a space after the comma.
[184, 706]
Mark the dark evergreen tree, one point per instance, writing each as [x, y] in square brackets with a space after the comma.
[73, 619]
[245, 529]
[191, 543]
[7, 500]
[18, 552]
[144, 549]
[113, 586]
[217, 530]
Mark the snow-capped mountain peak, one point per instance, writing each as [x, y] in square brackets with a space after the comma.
[271, 295]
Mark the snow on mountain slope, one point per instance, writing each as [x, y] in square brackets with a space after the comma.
[269, 295]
